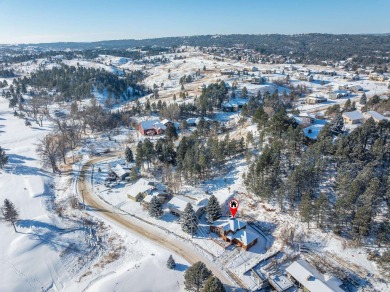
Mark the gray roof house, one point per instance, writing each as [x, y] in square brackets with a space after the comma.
[354, 117]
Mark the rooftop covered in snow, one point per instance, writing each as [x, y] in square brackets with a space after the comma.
[312, 279]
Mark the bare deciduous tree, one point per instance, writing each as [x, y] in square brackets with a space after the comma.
[48, 150]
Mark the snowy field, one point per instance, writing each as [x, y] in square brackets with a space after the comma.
[38, 256]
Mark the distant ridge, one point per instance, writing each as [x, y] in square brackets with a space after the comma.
[248, 40]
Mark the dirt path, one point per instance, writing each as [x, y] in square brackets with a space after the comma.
[132, 224]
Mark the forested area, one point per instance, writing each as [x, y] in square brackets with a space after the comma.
[306, 48]
[76, 83]
[4, 73]
[301, 176]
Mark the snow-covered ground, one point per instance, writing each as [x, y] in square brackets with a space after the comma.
[42, 254]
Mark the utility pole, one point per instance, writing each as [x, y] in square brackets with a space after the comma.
[82, 195]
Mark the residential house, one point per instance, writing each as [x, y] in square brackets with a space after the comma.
[191, 122]
[257, 80]
[280, 282]
[234, 231]
[178, 203]
[167, 122]
[120, 172]
[310, 279]
[352, 118]
[142, 186]
[314, 99]
[376, 116]
[161, 194]
[199, 119]
[355, 88]
[376, 77]
[338, 94]
[152, 127]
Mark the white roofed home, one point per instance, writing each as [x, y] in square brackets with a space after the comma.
[178, 203]
[141, 186]
[311, 279]
[120, 172]
[354, 117]
[376, 116]
[234, 230]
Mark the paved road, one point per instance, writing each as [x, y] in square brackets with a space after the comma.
[169, 242]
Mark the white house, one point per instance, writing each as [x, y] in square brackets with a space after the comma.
[354, 117]
[311, 279]
[178, 203]
[376, 116]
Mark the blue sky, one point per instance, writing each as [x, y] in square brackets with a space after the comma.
[31, 21]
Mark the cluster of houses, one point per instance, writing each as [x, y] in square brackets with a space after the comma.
[144, 190]
[157, 127]
[231, 230]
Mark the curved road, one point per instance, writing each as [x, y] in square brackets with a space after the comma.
[147, 231]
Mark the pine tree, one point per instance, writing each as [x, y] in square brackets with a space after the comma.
[155, 207]
[213, 284]
[3, 158]
[213, 209]
[347, 105]
[305, 209]
[337, 124]
[9, 213]
[244, 92]
[196, 276]
[171, 133]
[133, 174]
[189, 220]
[363, 99]
[129, 155]
[139, 197]
[139, 159]
[171, 263]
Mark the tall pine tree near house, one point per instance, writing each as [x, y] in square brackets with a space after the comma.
[155, 208]
[9, 213]
[139, 159]
[171, 133]
[363, 99]
[3, 158]
[213, 209]
[171, 264]
[196, 276]
[213, 284]
[189, 220]
[129, 155]
[337, 124]
[347, 105]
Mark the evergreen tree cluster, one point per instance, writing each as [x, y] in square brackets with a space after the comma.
[290, 171]
[6, 73]
[75, 83]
